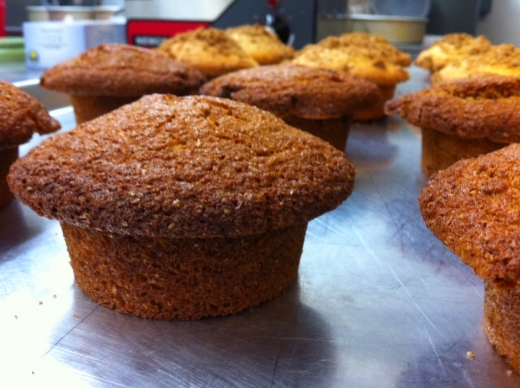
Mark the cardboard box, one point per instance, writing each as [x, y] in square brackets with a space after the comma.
[48, 43]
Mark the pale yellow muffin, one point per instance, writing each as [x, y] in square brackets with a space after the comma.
[264, 46]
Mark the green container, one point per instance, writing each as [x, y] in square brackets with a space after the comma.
[12, 49]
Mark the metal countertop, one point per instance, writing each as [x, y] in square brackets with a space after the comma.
[379, 301]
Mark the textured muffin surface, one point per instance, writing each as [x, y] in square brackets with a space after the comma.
[123, 71]
[302, 91]
[473, 207]
[183, 167]
[22, 115]
[474, 107]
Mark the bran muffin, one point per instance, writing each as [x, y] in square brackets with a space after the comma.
[472, 207]
[503, 59]
[359, 62]
[462, 118]
[104, 78]
[183, 207]
[265, 47]
[210, 50]
[22, 116]
[319, 101]
[452, 48]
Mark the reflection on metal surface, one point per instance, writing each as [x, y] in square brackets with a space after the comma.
[379, 302]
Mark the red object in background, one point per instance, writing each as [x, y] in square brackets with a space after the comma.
[150, 33]
[2, 17]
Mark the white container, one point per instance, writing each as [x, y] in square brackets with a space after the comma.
[37, 13]
[49, 43]
[70, 13]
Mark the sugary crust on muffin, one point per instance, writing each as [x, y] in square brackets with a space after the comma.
[357, 61]
[450, 49]
[183, 167]
[265, 47]
[286, 90]
[22, 115]
[474, 107]
[503, 60]
[123, 71]
[373, 42]
[210, 50]
[472, 206]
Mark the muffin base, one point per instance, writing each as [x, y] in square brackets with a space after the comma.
[334, 131]
[183, 279]
[378, 111]
[7, 157]
[440, 150]
[89, 107]
[502, 322]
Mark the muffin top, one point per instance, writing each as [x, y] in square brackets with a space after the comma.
[22, 115]
[503, 59]
[451, 49]
[357, 61]
[473, 208]
[210, 50]
[183, 167]
[265, 47]
[373, 42]
[123, 71]
[474, 107]
[287, 90]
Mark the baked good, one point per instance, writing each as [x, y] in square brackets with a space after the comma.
[22, 116]
[503, 59]
[462, 118]
[451, 49]
[183, 207]
[104, 78]
[210, 50]
[264, 46]
[472, 208]
[316, 100]
[359, 62]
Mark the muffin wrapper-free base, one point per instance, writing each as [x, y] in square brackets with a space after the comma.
[7, 157]
[378, 111]
[183, 279]
[502, 322]
[89, 107]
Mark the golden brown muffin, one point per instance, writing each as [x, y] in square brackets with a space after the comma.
[472, 207]
[183, 207]
[359, 62]
[22, 116]
[462, 118]
[451, 49]
[265, 47]
[319, 101]
[372, 42]
[210, 50]
[106, 77]
[503, 60]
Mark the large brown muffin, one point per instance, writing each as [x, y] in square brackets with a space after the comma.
[210, 50]
[472, 207]
[361, 62]
[183, 207]
[462, 118]
[21, 116]
[106, 77]
[319, 101]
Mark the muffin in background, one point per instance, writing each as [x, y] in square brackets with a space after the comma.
[22, 116]
[472, 207]
[462, 118]
[452, 48]
[319, 101]
[264, 46]
[210, 50]
[205, 211]
[104, 78]
[360, 62]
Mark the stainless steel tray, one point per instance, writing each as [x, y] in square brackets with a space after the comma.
[379, 302]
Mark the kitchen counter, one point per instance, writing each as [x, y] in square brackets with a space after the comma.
[379, 301]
